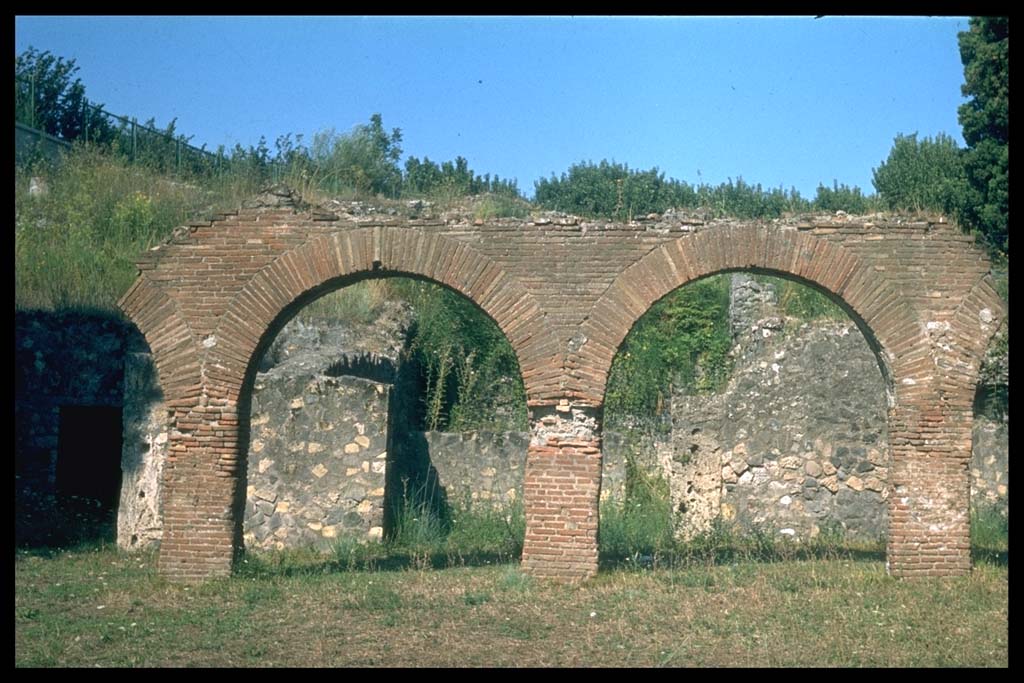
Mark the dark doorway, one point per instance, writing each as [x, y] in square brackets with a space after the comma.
[89, 457]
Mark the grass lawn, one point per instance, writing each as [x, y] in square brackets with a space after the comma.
[96, 606]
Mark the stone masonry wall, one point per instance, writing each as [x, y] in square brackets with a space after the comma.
[479, 468]
[990, 464]
[319, 437]
[487, 467]
[60, 359]
[317, 459]
[143, 454]
[795, 444]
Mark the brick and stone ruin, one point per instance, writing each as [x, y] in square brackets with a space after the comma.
[233, 438]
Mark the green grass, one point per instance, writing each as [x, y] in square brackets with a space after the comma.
[491, 206]
[990, 533]
[76, 245]
[99, 607]
[359, 303]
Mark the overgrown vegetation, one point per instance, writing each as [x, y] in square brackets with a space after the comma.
[75, 246]
[449, 535]
[615, 191]
[641, 524]
[990, 532]
[802, 302]
[682, 341]
[471, 372]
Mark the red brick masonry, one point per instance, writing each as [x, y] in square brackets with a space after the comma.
[565, 292]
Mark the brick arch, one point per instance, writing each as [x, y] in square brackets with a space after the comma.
[300, 275]
[170, 338]
[980, 316]
[888, 323]
[204, 484]
[565, 293]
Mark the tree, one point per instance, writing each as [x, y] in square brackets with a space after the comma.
[985, 53]
[922, 175]
[47, 98]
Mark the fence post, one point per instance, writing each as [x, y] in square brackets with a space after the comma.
[133, 138]
[32, 100]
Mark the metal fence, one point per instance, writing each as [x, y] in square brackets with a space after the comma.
[30, 144]
[124, 135]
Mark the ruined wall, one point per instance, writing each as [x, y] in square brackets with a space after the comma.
[487, 467]
[796, 444]
[990, 464]
[317, 459]
[143, 453]
[60, 360]
[478, 467]
[318, 444]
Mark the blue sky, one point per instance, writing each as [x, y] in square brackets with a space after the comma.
[791, 101]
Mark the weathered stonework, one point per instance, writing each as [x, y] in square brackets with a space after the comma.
[144, 452]
[479, 468]
[565, 292]
[319, 437]
[317, 459]
[797, 442]
[990, 466]
[487, 468]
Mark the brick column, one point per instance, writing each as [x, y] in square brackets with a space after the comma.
[929, 505]
[561, 492]
[201, 493]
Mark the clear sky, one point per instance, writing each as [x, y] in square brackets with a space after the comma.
[791, 101]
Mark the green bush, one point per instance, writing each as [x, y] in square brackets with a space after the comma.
[843, 198]
[922, 175]
[612, 190]
[683, 341]
[615, 191]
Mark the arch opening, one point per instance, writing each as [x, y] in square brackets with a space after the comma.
[769, 418]
[364, 435]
